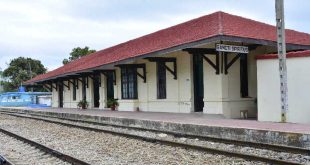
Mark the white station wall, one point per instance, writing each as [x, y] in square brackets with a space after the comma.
[269, 105]
[178, 91]
[222, 92]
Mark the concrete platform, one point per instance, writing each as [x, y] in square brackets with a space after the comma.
[297, 135]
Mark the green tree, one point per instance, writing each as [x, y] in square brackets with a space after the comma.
[7, 86]
[20, 70]
[1, 83]
[77, 53]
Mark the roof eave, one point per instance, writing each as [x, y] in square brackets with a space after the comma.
[198, 43]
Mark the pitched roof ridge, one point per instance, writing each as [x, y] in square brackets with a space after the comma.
[220, 22]
[248, 19]
[260, 22]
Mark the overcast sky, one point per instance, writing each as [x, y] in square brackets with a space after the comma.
[48, 29]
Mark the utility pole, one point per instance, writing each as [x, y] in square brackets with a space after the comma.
[30, 72]
[282, 58]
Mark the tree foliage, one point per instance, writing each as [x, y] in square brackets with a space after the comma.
[77, 53]
[7, 87]
[20, 70]
[1, 83]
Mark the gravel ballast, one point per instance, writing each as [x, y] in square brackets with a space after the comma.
[217, 145]
[21, 153]
[104, 148]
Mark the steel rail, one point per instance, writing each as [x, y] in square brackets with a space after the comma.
[5, 161]
[279, 148]
[172, 143]
[45, 149]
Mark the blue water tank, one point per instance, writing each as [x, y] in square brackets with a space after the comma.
[21, 89]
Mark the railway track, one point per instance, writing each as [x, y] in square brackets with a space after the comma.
[246, 156]
[5, 161]
[19, 150]
[175, 134]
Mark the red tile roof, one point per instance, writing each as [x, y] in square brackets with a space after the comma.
[208, 26]
[304, 53]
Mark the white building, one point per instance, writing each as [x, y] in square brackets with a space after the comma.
[298, 71]
[178, 69]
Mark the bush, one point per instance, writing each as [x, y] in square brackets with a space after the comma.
[112, 102]
[83, 103]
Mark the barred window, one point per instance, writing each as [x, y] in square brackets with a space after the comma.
[129, 83]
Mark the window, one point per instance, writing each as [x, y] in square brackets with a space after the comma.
[74, 89]
[161, 80]
[129, 83]
[244, 75]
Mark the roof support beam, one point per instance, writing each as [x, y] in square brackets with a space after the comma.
[174, 71]
[60, 81]
[47, 87]
[44, 85]
[142, 76]
[161, 59]
[141, 66]
[230, 63]
[68, 86]
[72, 82]
[53, 87]
[253, 46]
[164, 59]
[216, 66]
[95, 76]
[85, 77]
[105, 73]
[207, 51]
[80, 80]
[92, 75]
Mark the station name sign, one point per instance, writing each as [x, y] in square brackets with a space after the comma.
[232, 48]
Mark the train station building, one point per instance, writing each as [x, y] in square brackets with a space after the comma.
[216, 64]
